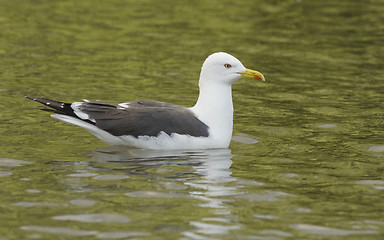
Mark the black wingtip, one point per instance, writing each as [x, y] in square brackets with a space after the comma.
[59, 107]
[48, 102]
[30, 98]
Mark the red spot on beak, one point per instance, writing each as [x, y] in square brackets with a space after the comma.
[257, 77]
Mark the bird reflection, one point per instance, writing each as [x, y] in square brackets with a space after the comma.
[208, 178]
[211, 164]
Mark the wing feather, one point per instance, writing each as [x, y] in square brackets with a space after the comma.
[144, 117]
[140, 118]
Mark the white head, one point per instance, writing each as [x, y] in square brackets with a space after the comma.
[224, 68]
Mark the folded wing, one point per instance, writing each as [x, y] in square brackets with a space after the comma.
[140, 118]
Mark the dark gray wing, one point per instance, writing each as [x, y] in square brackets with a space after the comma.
[143, 117]
[139, 118]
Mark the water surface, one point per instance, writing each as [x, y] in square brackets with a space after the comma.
[307, 159]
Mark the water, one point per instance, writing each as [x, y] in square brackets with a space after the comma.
[307, 159]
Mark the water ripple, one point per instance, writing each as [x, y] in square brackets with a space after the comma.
[96, 217]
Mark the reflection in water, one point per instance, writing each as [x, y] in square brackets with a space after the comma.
[211, 164]
[208, 179]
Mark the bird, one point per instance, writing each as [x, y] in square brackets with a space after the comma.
[151, 124]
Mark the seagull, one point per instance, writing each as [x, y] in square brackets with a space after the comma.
[159, 125]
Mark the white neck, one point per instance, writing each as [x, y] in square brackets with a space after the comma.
[214, 107]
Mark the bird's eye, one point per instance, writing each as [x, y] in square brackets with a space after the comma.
[227, 65]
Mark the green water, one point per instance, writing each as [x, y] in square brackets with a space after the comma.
[316, 171]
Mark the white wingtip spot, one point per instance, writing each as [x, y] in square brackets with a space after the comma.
[123, 105]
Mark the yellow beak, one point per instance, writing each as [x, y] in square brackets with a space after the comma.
[252, 74]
